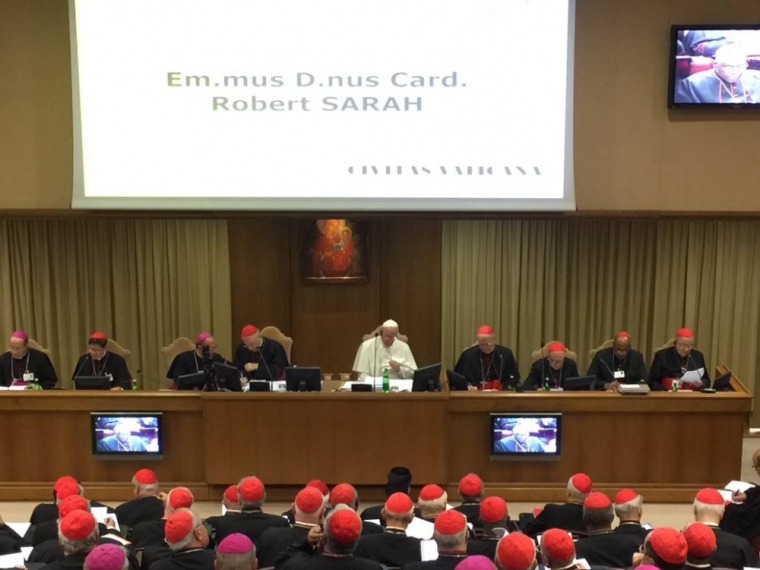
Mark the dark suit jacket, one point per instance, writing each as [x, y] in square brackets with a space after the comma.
[633, 528]
[250, 523]
[537, 374]
[390, 548]
[732, 551]
[274, 542]
[567, 516]
[191, 559]
[611, 549]
[506, 369]
[140, 510]
[605, 364]
[147, 533]
[472, 512]
[444, 562]
[483, 546]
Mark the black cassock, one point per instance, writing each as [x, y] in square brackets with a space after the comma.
[540, 373]
[606, 364]
[33, 361]
[478, 367]
[270, 357]
[190, 363]
[668, 365]
[111, 363]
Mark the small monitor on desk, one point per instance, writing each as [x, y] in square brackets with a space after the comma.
[723, 382]
[92, 383]
[194, 381]
[579, 383]
[427, 379]
[303, 379]
[457, 382]
[228, 377]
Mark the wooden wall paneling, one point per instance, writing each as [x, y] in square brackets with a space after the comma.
[260, 274]
[410, 290]
[330, 319]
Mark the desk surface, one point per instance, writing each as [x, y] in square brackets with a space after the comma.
[664, 444]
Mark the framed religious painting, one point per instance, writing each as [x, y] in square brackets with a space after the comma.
[334, 250]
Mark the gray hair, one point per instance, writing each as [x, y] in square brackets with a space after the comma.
[332, 545]
[625, 509]
[450, 541]
[151, 489]
[241, 561]
[70, 547]
[598, 519]
[436, 504]
[187, 540]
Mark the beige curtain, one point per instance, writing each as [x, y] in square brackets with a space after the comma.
[581, 281]
[142, 282]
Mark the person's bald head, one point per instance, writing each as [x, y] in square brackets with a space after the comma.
[621, 344]
[730, 62]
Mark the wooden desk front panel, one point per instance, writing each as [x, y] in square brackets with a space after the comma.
[288, 438]
[46, 435]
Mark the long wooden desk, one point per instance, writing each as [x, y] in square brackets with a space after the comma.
[664, 445]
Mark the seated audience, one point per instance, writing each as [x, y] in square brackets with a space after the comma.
[493, 515]
[236, 552]
[628, 508]
[665, 548]
[399, 481]
[603, 546]
[146, 506]
[345, 494]
[451, 535]
[732, 550]
[252, 521]
[107, 557]
[322, 487]
[309, 508]
[516, 551]
[187, 539]
[392, 548]
[471, 491]
[336, 545]
[742, 516]
[231, 507]
[557, 550]
[568, 516]
[431, 502]
[701, 544]
[151, 533]
[77, 535]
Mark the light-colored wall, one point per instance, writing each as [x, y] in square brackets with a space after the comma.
[631, 153]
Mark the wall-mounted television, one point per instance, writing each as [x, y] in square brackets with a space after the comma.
[132, 435]
[714, 65]
[526, 436]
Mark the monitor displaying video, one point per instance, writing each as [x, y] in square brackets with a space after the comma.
[119, 435]
[525, 436]
[714, 66]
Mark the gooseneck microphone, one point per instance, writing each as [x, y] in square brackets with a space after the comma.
[264, 360]
[501, 369]
[374, 362]
[543, 366]
[86, 358]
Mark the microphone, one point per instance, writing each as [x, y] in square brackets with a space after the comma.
[86, 358]
[264, 360]
[607, 366]
[501, 369]
[543, 373]
[374, 362]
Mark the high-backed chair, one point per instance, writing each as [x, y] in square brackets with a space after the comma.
[169, 353]
[116, 348]
[401, 337]
[670, 344]
[606, 344]
[273, 333]
[37, 346]
[544, 352]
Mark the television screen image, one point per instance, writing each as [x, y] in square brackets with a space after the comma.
[526, 435]
[120, 434]
[714, 65]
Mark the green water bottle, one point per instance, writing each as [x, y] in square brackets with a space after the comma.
[546, 385]
[386, 381]
[134, 384]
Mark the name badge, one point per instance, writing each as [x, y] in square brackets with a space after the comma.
[619, 374]
[110, 377]
[29, 377]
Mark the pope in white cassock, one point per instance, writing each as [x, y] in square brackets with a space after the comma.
[385, 351]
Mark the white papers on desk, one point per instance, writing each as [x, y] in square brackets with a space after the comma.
[692, 376]
[395, 385]
[738, 486]
[12, 560]
[26, 551]
[101, 514]
[418, 528]
[428, 550]
[20, 528]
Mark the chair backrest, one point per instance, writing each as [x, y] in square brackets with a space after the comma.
[169, 353]
[670, 344]
[605, 344]
[273, 333]
[116, 348]
[401, 337]
[544, 352]
[37, 346]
